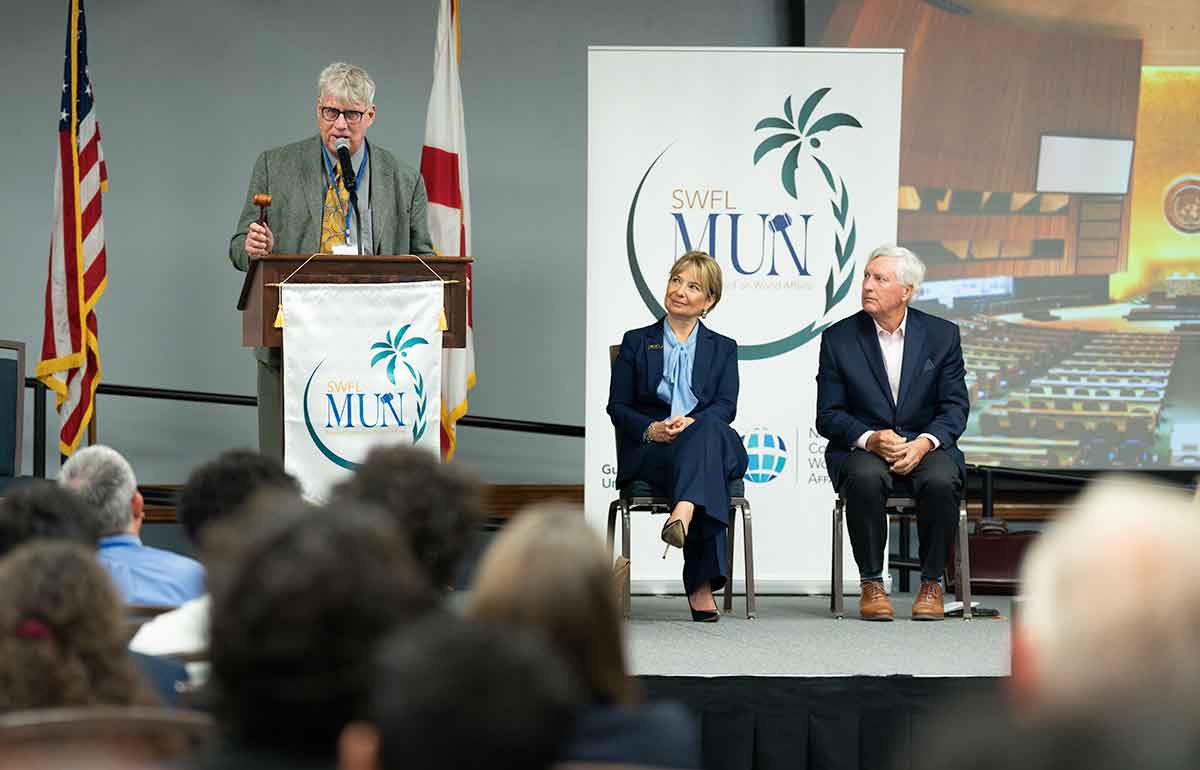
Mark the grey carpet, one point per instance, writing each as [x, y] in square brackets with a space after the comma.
[796, 636]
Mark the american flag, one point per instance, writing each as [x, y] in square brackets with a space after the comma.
[444, 169]
[70, 363]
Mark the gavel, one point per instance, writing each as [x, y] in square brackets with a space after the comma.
[263, 201]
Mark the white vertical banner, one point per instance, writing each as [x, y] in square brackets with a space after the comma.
[361, 367]
[783, 164]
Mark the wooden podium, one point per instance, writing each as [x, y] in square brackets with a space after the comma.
[259, 299]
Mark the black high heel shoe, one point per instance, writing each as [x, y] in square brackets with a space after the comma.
[703, 616]
[673, 534]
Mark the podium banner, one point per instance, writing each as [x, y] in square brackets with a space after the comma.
[783, 164]
[361, 367]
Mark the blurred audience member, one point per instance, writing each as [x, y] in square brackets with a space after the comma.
[42, 509]
[549, 573]
[437, 506]
[143, 575]
[454, 693]
[1111, 600]
[301, 596]
[62, 643]
[213, 492]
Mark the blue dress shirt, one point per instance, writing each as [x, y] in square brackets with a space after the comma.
[675, 388]
[146, 575]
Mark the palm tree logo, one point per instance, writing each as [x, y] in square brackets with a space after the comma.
[394, 349]
[797, 130]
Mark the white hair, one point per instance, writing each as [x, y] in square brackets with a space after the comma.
[105, 480]
[1112, 594]
[346, 83]
[910, 270]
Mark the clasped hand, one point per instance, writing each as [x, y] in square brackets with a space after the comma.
[259, 240]
[902, 456]
[665, 431]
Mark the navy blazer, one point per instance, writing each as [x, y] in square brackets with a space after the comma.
[853, 395]
[633, 401]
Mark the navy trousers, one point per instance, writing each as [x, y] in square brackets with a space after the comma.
[937, 486]
[696, 467]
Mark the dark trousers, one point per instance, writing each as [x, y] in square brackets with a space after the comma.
[936, 485]
[696, 467]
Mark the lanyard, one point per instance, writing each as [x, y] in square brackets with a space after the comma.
[333, 183]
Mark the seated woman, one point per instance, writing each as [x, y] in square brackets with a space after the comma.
[672, 397]
[549, 574]
[63, 643]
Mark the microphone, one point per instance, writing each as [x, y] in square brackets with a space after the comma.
[342, 145]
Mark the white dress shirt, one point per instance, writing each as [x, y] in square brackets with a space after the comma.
[891, 344]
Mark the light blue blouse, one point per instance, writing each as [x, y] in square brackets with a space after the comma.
[675, 387]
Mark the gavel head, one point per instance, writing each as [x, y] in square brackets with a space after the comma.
[262, 200]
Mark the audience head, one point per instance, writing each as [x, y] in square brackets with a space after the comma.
[458, 693]
[43, 509]
[61, 634]
[549, 573]
[1111, 598]
[105, 480]
[301, 596]
[221, 486]
[695, 282]
[437, 506]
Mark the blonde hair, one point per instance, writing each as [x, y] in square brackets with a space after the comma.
[707, 270]
[549, 573]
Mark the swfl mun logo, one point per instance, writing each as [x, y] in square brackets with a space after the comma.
[773, 243]
[395, 403]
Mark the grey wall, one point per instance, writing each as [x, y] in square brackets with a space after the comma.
[188, 93]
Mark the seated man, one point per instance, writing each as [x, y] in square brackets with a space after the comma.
[143, 575]
[892, 400]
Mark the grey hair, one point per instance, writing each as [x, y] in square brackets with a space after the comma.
[1084, 646]
[910, 270]
[347, 83]
[105, 480]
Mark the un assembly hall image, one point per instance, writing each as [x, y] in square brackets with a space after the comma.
[490, 384]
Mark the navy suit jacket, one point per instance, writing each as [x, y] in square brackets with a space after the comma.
[853, 395]
[633, 401]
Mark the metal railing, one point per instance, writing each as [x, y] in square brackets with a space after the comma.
[232, 399]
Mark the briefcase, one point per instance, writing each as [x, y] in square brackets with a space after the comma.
[996, 557]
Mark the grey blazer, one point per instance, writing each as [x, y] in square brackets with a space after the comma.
[295, 179]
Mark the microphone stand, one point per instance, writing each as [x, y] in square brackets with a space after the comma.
[357, 219]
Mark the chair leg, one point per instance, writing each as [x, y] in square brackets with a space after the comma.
[964, 561]
[729, 559]
[748, 541]
[625, 599]
[836, 600]
[612, 524]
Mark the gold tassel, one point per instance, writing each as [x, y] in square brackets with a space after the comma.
[443, 325]
[279, 317]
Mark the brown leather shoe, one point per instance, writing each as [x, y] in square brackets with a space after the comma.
[928, 604]
[874, 604]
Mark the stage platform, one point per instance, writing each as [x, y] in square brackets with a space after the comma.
[795, 636]
[795, 688]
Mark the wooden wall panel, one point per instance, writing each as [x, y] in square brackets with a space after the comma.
[937, 227]
[979, 93]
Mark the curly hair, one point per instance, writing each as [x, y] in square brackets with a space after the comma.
[437, 506]
[43, 509]
[220, 486]
[300, 597]
[61, 637]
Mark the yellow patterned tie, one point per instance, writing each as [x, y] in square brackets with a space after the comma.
[333, 220]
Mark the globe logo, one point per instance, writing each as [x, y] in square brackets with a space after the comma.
[767, 455]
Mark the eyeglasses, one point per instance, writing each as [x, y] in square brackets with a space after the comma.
[331, 114]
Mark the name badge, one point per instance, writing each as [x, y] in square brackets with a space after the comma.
[345, 248]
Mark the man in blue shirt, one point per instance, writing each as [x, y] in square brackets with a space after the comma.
[143, 575]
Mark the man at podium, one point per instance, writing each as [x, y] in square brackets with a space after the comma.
[311, 209]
